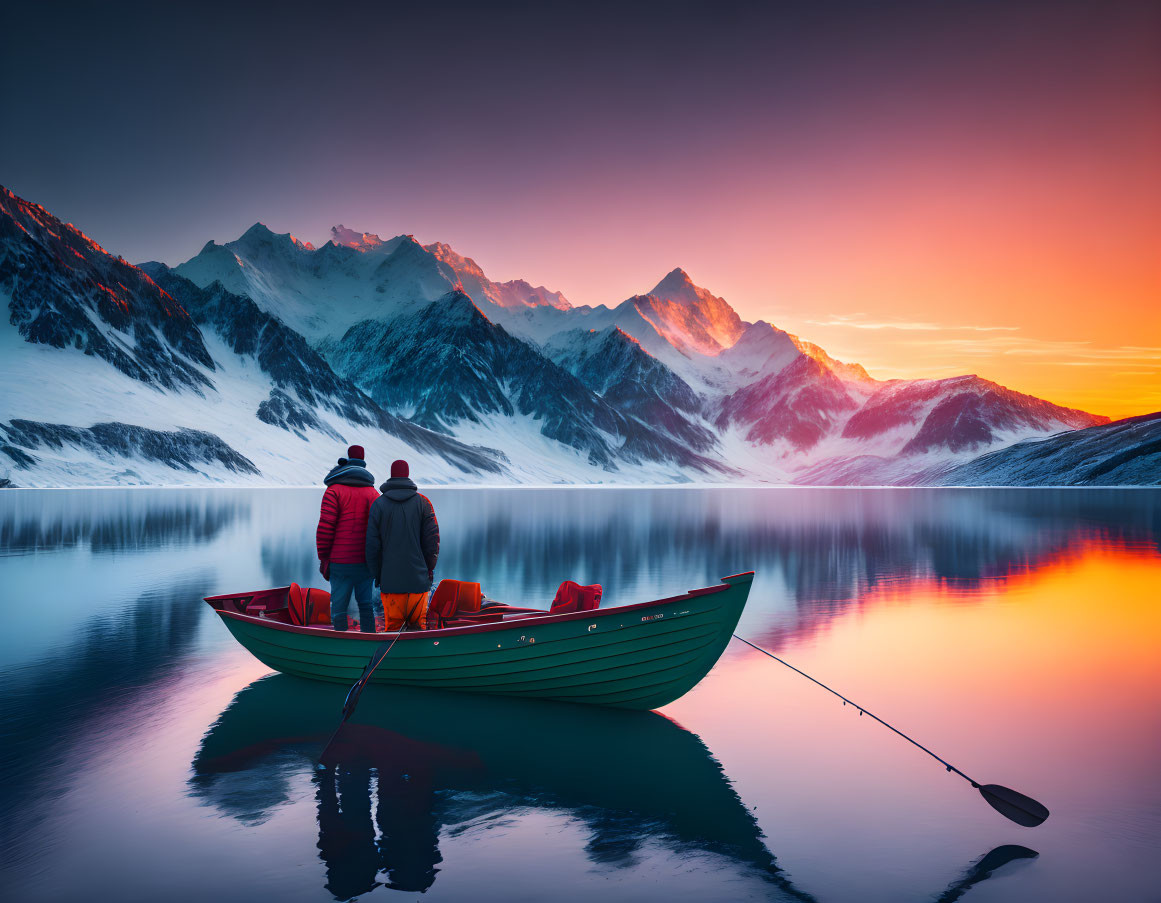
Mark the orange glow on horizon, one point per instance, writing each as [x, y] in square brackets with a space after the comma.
[1070, 647]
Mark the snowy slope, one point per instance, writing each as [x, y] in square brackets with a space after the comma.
[322, 293]
[911, 431]
[258, 358]
[614, 365]
[111, 378]
[96, 393]
[448, 364]
[1124, 453]
[689, 317]
[65, 291]
[515, 293]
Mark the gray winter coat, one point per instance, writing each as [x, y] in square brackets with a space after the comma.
[402, 538]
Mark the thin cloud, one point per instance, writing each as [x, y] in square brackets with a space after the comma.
[1071, 352]
[856, 321]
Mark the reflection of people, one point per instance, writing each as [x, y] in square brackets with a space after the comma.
[450, 757]
[346, 837]
[402, 548]
[341, 538]
[408, 845]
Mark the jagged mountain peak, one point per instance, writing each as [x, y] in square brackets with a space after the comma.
[617, 334]
[676, 285]
[24, 213]
[514, 294]
[673, 382]
[405, 247]
[849, 372]
[436, 321]
[361, 241]
[691, 318]
[67, 292]
[260, 234]
[458, 307]
[458, 262]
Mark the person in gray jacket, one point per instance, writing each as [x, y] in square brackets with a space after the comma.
[402, 548]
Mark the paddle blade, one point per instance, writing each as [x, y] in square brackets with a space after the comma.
[1023, 810]
[1001, 856]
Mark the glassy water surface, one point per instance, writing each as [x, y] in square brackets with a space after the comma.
[1017, 633]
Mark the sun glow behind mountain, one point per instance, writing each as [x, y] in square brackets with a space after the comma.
[933, 189]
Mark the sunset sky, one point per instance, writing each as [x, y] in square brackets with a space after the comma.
[926, 188]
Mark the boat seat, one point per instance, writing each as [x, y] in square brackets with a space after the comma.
[571, 596]
[308, 606]
[452, 600]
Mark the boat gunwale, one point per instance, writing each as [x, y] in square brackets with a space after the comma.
[466, 629]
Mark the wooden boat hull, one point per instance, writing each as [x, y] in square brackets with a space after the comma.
[634, 656]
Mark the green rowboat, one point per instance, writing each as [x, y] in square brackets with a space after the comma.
[637, 656]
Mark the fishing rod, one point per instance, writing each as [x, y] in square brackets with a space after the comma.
[1017, 807]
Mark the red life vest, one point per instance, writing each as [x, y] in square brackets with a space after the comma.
[571, 596]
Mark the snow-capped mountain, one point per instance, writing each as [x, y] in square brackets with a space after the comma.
[614, 365]
[515, 293]
[322, 292]
[1124, 453]
[906, 431]
[258, 358]
[689, 317]
[451, 369]
[304, 387]
[109, 377]
[65, 291]
[797, 405]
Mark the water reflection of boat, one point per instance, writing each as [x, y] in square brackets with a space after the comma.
[432, 759]
[637, 656]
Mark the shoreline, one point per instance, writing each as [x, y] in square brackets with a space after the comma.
[541, 487]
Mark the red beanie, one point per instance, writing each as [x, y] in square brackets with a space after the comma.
[356, 451]
[399, 469]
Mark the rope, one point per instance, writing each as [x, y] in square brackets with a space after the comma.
[862, 711]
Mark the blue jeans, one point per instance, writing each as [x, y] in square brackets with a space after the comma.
[345, 579]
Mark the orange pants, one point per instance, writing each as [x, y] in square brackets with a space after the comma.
[409, 607]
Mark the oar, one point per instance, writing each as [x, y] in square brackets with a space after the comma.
[1021, 809]
[356, 690]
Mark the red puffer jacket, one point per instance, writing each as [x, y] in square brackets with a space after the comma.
[342, 524]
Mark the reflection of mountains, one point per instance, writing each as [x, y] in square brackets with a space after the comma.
[829, 546]
[830, 543]
[110, 520]
[434, 760]
[51, 707]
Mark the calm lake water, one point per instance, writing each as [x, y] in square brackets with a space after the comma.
[1016, 633]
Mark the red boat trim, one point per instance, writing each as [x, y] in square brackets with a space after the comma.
[515, 623]
[225, 597]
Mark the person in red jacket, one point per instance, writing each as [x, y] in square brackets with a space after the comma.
[341, 538]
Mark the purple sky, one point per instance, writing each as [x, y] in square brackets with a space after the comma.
[945, 164]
